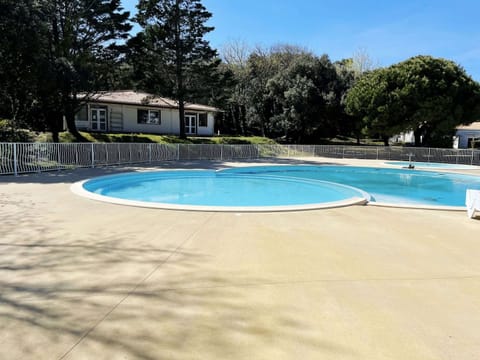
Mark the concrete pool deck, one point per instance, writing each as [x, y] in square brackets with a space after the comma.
[81, 279]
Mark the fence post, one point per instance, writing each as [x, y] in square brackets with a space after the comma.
[472, 157]
[149, 153]
[39, 169]
[58, 156]
[129, 153]
[343, 152]
[106, 153]
[178, 152]
[15, 161]
[76, 154]
[93, 156]
[377, 152]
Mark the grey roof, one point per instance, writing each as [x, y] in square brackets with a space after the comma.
[131, 97]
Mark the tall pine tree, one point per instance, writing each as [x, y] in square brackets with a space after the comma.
[173, 32]
[20, 47]
[81, 37]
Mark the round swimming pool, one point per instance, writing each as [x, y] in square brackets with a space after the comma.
[220, 191]
[271, 188]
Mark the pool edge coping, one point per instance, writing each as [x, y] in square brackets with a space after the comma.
[417, 206]
[78, 189]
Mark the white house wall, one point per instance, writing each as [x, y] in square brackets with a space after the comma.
[169, 121]
[208, 130]
[113, 108]
[464, 135]
[82, 123]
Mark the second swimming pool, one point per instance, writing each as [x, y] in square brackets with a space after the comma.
[403, 187]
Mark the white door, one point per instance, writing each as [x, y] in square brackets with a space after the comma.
[99, 119]
[190, 124]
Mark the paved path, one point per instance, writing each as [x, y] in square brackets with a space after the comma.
[87, 280]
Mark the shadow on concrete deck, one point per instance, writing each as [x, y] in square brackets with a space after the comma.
[74, 175]
[101, 294]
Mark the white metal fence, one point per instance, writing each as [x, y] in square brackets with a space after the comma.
[17, 158]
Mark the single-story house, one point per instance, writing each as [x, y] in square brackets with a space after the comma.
[139, 112]
[468, 135]
[465, 136]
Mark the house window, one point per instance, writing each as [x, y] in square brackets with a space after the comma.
[473, 143]
[82, 114]
[148, 117]
[202, 120]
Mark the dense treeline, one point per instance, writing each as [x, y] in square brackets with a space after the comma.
[288, 92]
[425, 95]
[55, 54]
[52, 50]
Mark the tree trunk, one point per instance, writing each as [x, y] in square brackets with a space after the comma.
[235, 119]
[181, 102]
[418, 139]
[72, 128]
[179, 71]
[54, 121]
[243, 117]
[55, 126]
[385, 140]
[181, 114]
[55, 136]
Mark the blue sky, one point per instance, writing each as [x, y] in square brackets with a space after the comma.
[389, 31]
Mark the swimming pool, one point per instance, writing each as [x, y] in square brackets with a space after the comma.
[431, 165]
[270, 188]
[221, 191]
[397, 187]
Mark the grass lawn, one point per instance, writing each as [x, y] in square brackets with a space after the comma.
[8, 134]
[151, 138]
[346, 140]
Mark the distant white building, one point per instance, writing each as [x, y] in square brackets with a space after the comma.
[468, 136]
[465, 136]
[138, 112]
[403, 138]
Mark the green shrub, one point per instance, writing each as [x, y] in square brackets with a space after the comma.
[8, 133]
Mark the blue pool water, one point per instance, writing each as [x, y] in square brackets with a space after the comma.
[393, 186]
[288, 185]
[211, 188]
[431, 165]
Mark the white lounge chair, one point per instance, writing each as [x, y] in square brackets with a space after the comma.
[472, 201]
